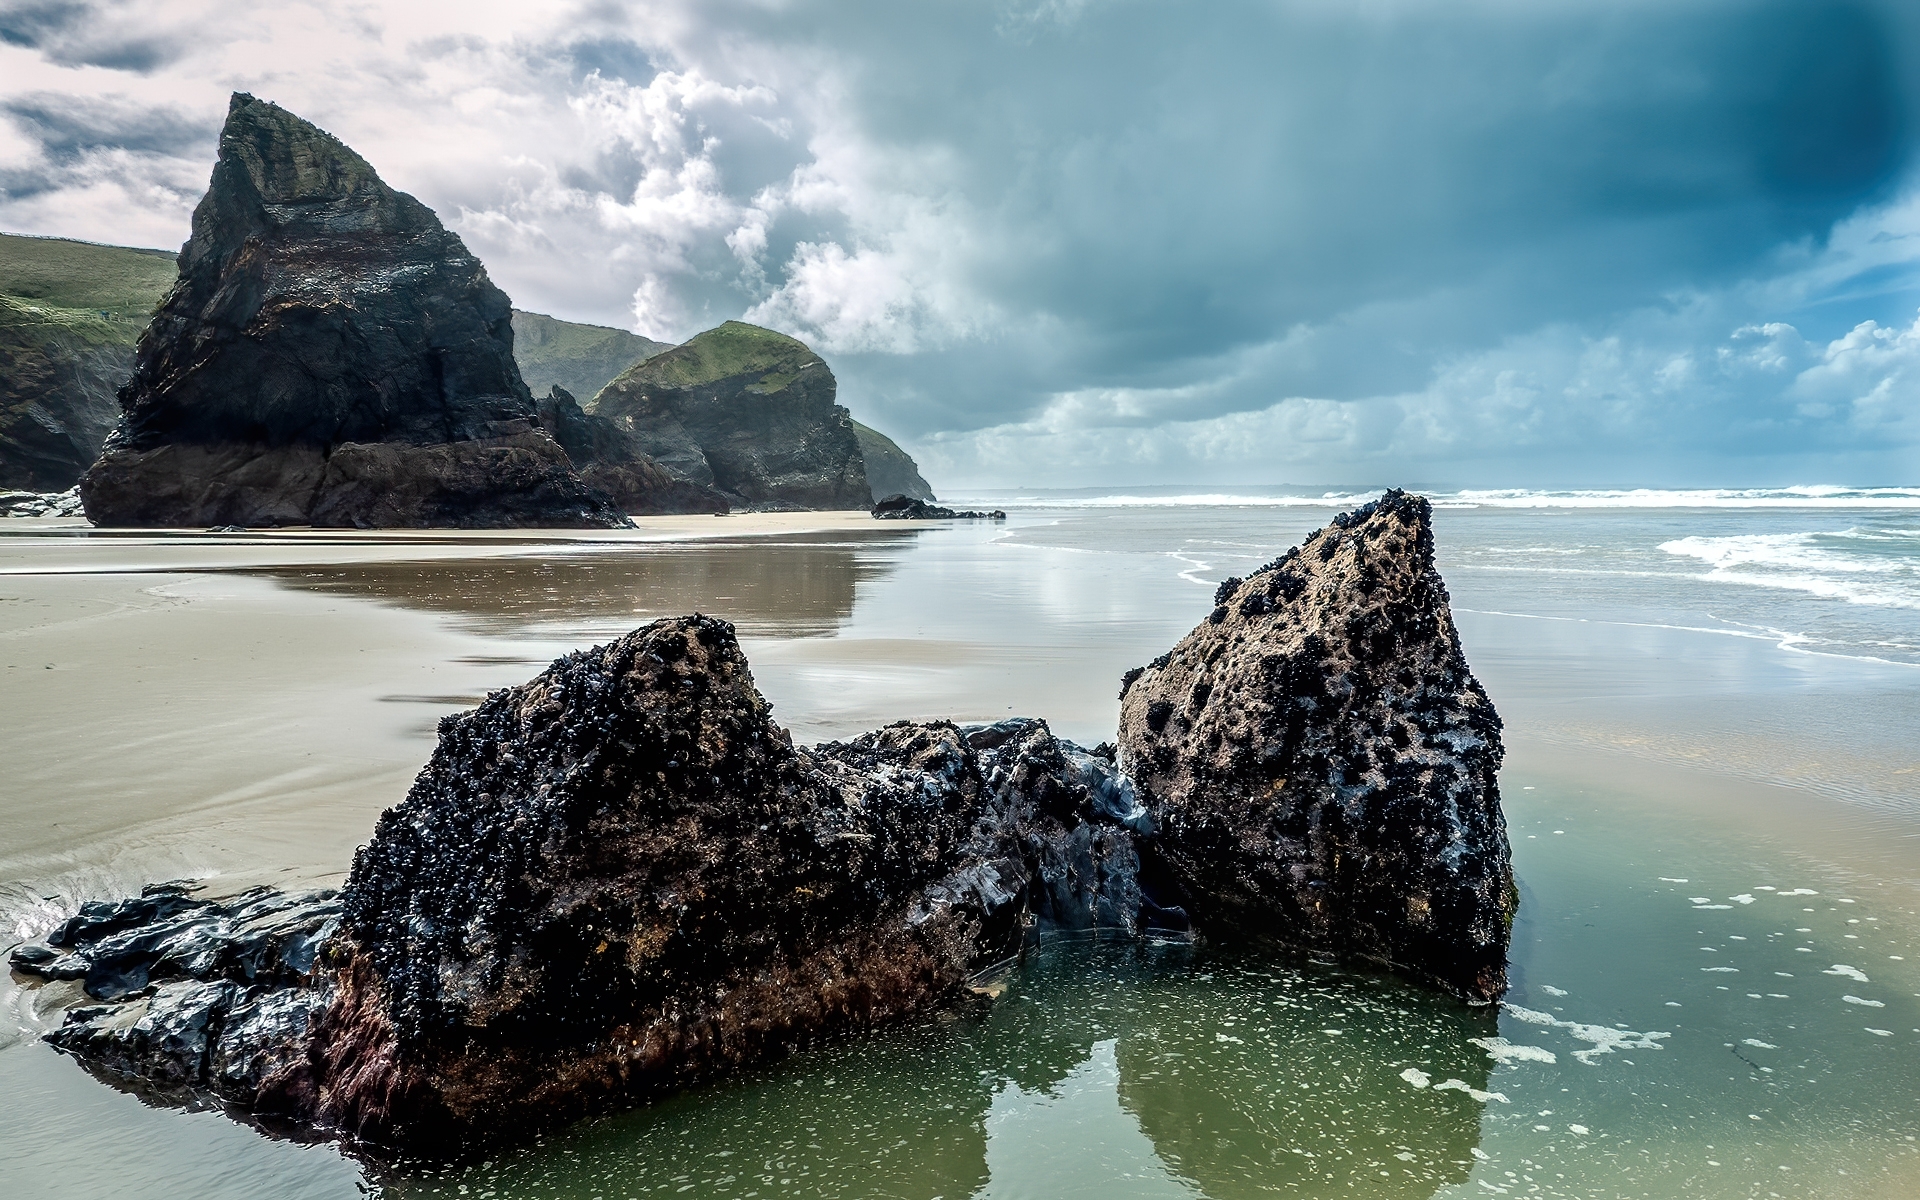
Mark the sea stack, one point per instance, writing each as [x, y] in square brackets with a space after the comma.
[330, 355]
[1321, 764]
[749, 412]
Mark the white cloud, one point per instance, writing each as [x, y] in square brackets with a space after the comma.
[1872, 373]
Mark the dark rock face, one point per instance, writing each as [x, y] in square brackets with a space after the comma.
[748, 411]
[622, 877]
[1321, 763]
[904, 508]
[58, 385]
[607, 459]
[70, 315]
[891, 471]
[329, 355]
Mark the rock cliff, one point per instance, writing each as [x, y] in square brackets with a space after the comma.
[1322, 764]
[582, 359]
[748, 411]
[609, 460]
[70, 314]
[623, 876]
[330, 354]
[891, 471]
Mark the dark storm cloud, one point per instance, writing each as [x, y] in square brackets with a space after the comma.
[97, 33]
[1174, 182]
[69, 127]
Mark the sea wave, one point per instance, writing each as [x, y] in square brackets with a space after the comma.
[1813, 496]
[1878, 567]
[1801, 496]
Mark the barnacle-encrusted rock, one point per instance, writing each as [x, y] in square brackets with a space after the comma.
[330, 355]
[622, 876]
[1321, 763]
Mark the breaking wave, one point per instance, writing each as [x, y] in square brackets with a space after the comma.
[1805, 496]
[1879, 567]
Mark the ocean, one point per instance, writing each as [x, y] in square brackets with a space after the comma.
[1712, 788]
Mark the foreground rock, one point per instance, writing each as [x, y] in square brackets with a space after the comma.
[611, 461]
[748, 411]
[199, 994]
[622, 876]
[330, 355]
[1321, 763]
[905, 508]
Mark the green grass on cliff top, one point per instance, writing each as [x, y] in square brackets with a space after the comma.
[735, 348]
[56, 273]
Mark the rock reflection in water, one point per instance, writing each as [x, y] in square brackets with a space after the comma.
[800, 587]
[1104, 1070]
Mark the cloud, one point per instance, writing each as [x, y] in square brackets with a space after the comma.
[116, 34]
[67, 128]
[1870, 376]
[1071, 240]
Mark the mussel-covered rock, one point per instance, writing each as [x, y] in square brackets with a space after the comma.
[623, 876]
[1321, 763]
[608, 882]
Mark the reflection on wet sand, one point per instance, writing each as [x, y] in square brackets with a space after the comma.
[1103, 1069]
[769, 587]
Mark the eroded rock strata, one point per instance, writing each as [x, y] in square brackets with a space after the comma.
[195, 994]
[330, 355]
[1321, 763]
[623, 876]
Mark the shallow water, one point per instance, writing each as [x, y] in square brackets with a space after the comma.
[241, 709]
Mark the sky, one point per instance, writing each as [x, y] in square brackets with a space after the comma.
[1443, 243]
